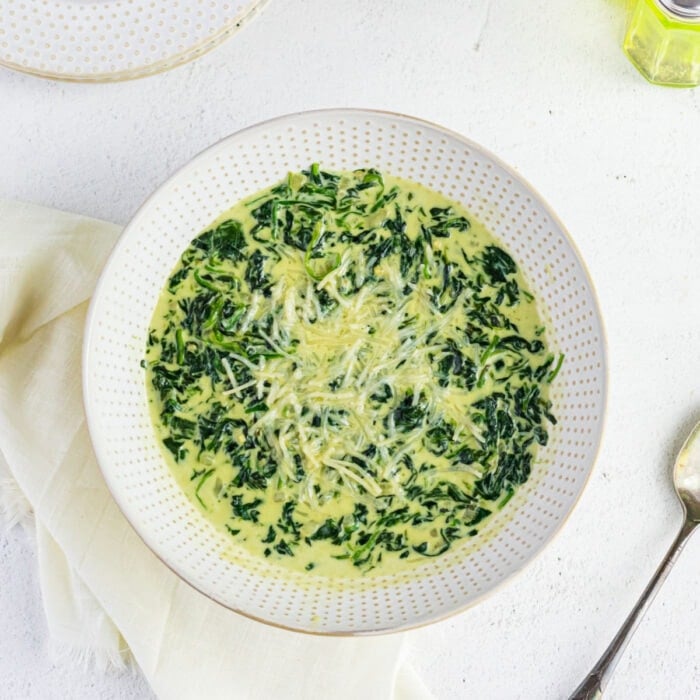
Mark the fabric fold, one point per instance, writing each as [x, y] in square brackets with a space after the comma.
[81, 631]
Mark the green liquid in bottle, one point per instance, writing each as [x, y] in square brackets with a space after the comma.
[664, 47]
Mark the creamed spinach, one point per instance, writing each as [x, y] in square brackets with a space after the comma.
[348, 374]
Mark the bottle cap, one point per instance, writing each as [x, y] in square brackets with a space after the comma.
[687, 9]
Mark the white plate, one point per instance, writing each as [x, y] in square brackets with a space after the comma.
[115, 396]
[107, 40]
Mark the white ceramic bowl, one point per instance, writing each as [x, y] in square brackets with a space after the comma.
[115, 396]
[103, 41]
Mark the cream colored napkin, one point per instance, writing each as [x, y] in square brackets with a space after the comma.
[106, 596]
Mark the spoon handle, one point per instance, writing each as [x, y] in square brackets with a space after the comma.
[595, 682]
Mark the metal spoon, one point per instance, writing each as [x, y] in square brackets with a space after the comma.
[686, 480]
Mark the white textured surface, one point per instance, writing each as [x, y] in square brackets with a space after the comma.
[546, 87]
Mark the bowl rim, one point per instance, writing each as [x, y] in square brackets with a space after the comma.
[146, 70]
[339, 111]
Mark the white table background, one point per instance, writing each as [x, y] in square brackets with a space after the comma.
[546, 87]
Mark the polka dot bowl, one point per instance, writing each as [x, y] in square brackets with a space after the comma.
[108, 40]
[115, 394]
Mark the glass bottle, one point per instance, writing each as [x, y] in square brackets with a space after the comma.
[663, 41]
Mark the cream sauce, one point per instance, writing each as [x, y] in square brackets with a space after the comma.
[338, 405]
